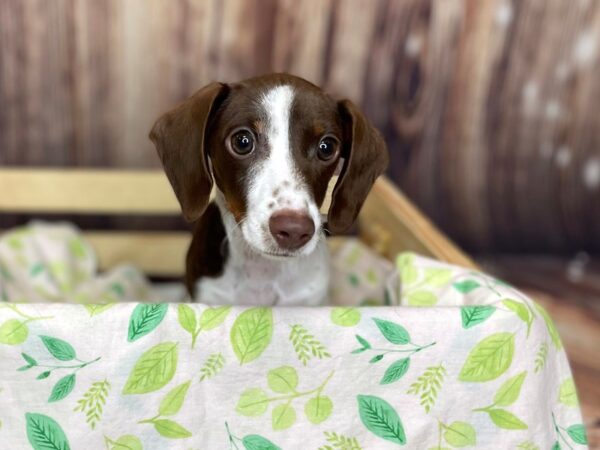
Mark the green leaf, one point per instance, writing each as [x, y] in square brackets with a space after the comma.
[171, 404]
[153, 370]
[460, 434]
[253, 402]
[556, 446]
[376, 358]
[283, 416]
[251, 333]
[60, 349]
[187, 318]
[98, 308]
[77, 248]
[466, 286]
[527, 445]
[43, 375]
[393, 332]
[474, 315]
[144, 319]
[435, 277]
[506, 420]
[552, 331]
[519, 309]
[362, 341]
[256, 442]
[510, 390]
[395, 371]
[62, 388]
[381, 419]
[422, 298]
[577, 433]
[283, 379]
[44, 433]
[567, 395]
[13, 332]
[36, 269]
[489, 359]
[318, 409]
[29, 359]
[170, 429]
[345, 317]
[127, 442]
[408, 275]
[213, 317]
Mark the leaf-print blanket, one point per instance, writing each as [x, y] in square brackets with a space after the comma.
[477, 365]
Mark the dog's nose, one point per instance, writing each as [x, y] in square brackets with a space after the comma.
[291, 229]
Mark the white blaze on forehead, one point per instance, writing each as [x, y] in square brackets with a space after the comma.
[277, 104]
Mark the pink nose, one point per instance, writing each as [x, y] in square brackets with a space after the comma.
[291, 229]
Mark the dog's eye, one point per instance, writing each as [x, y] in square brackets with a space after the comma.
[242, 142]
[327, 149]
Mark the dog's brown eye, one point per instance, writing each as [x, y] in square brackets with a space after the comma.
[327, 149]
[242, 142]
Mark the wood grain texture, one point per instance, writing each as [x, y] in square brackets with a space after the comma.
[489, 107]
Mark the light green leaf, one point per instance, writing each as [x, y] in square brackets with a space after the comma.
[171, 404]
[144, 319]
[187, 318]
[213, 317]
[395, 371]
[474, 315]
[127, 442]
[62, 388]
[60, 349]
[408, 274]
[345, 317]
[253, 402]
[170, 429]
[422, 298]
[283, 417]
[577, 433]
[527, 445]
[466, 286]
[283, 379]
[13, 332]
[98, 308]
[460, 434]
[567, 394]
[318, 409]
[510, 390]
[519, 309]
[44, 433]
[506, 420]
[251, 333]
[393, 332]
[153, 370]
[489, 359]
[435, 277]
[77, 248]
[256, 442]
[550, 326]
[381, 419]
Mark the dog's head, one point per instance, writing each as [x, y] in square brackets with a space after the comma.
[271, 145]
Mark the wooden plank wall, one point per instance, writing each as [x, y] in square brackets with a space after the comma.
[490, 107]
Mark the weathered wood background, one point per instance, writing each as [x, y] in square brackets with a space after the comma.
[490, 108]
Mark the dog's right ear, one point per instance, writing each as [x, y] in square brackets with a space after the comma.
[179, 137]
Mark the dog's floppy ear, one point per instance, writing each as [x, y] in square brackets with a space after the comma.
[179, 137]
[365, 158]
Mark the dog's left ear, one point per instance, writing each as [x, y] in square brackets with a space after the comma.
[179, 137]
[365, 158]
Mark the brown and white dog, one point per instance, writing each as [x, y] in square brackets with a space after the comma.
[270, 145]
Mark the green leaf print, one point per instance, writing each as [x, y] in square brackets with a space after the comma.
[345, 317]
[577, 433]
[13, 332]
[318, 409]
[474, 315]
[213, 317]
[171, 404]
[187, 318]
[144, 319]
[60, 349]
[283, 379]
[510, 390]
[43, 375]
[31, 361]
[421, 298]
[395, 371]
[405, 265]
[125, 442]
[460, 434]
[466, 286]
[567, 395]
[506, 420]
[153, 370]
[251, 333]
[556, 446]
[489, 359]
[255, 442]
[362, 341]
[552, 331]
[381, 419]
[520, 310]
[62, 388]
[527, 445]
[428, 385]
[212, 366]
[253, 402]
[170, 429]
[340, 442]
[283, 416]
[44, 433]
[394, 333]
[306, 345]
[93, 401]
[435, 277]
[98, 308]
[540, 357]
